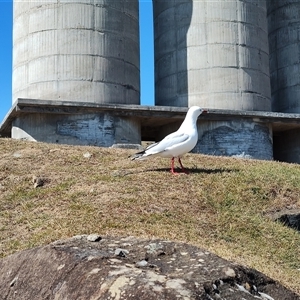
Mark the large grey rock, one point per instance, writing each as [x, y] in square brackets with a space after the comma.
[91, 267]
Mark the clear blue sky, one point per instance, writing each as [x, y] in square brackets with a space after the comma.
[146, 46]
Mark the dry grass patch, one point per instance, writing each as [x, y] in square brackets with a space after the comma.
[221, 206]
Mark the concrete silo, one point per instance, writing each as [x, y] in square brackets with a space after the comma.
[215, 54]
[284, 44]
[76, 50]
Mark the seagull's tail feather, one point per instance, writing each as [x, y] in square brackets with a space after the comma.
[139, 155]
[145, 153]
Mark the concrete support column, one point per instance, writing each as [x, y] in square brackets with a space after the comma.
[284, 43]
[212, 54]
[215, 54]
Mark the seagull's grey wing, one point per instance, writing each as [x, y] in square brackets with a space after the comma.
[151, 146]
[168, 142]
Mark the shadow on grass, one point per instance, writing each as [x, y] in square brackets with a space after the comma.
[190, 171]
[194, 170]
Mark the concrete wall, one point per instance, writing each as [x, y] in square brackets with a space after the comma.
[78, 50]
[245, 139]
[238, 138]
[102, 130]
[212, 53]
[284, 43]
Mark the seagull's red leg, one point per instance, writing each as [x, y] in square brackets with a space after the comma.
[172, 167]
[182, 167]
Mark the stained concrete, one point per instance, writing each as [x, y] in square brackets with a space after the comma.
[236, 138]
[102, 129]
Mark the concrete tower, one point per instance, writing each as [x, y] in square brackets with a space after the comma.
[215, 54]
[284, 43]
[81, 51]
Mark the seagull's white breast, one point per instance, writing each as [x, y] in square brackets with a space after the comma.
[179, 149]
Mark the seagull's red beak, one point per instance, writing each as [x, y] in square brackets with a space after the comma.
[204, 111]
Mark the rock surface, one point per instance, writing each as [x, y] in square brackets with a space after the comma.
[289, 217]
[95, 267]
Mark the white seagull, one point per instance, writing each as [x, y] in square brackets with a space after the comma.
[178, 143]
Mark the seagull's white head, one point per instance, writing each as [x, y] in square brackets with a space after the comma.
[191, 117]
[194, 112]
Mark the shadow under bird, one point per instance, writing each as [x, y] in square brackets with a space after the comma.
[178, 143]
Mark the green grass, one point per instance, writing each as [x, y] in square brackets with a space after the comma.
[223, 205]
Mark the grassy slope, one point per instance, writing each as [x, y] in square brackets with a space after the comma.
[221, 206]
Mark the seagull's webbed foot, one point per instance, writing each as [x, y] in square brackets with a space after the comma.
[172, 167]
[175, 173]
[182, 167]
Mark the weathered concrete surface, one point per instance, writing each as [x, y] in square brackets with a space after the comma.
[77, 50]
[284, 39]
[102, 130]
[91, 267]
[135, 122]
[239, 138]
[212, 53]
[246, 139]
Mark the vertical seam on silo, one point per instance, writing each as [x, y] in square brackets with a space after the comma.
[27, 55]
[177, 50]
[238, 7]
[205, 30]
[94, 44]
[123, 39]
[58, 9]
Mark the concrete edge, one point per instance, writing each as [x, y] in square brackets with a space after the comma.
[160, 114]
